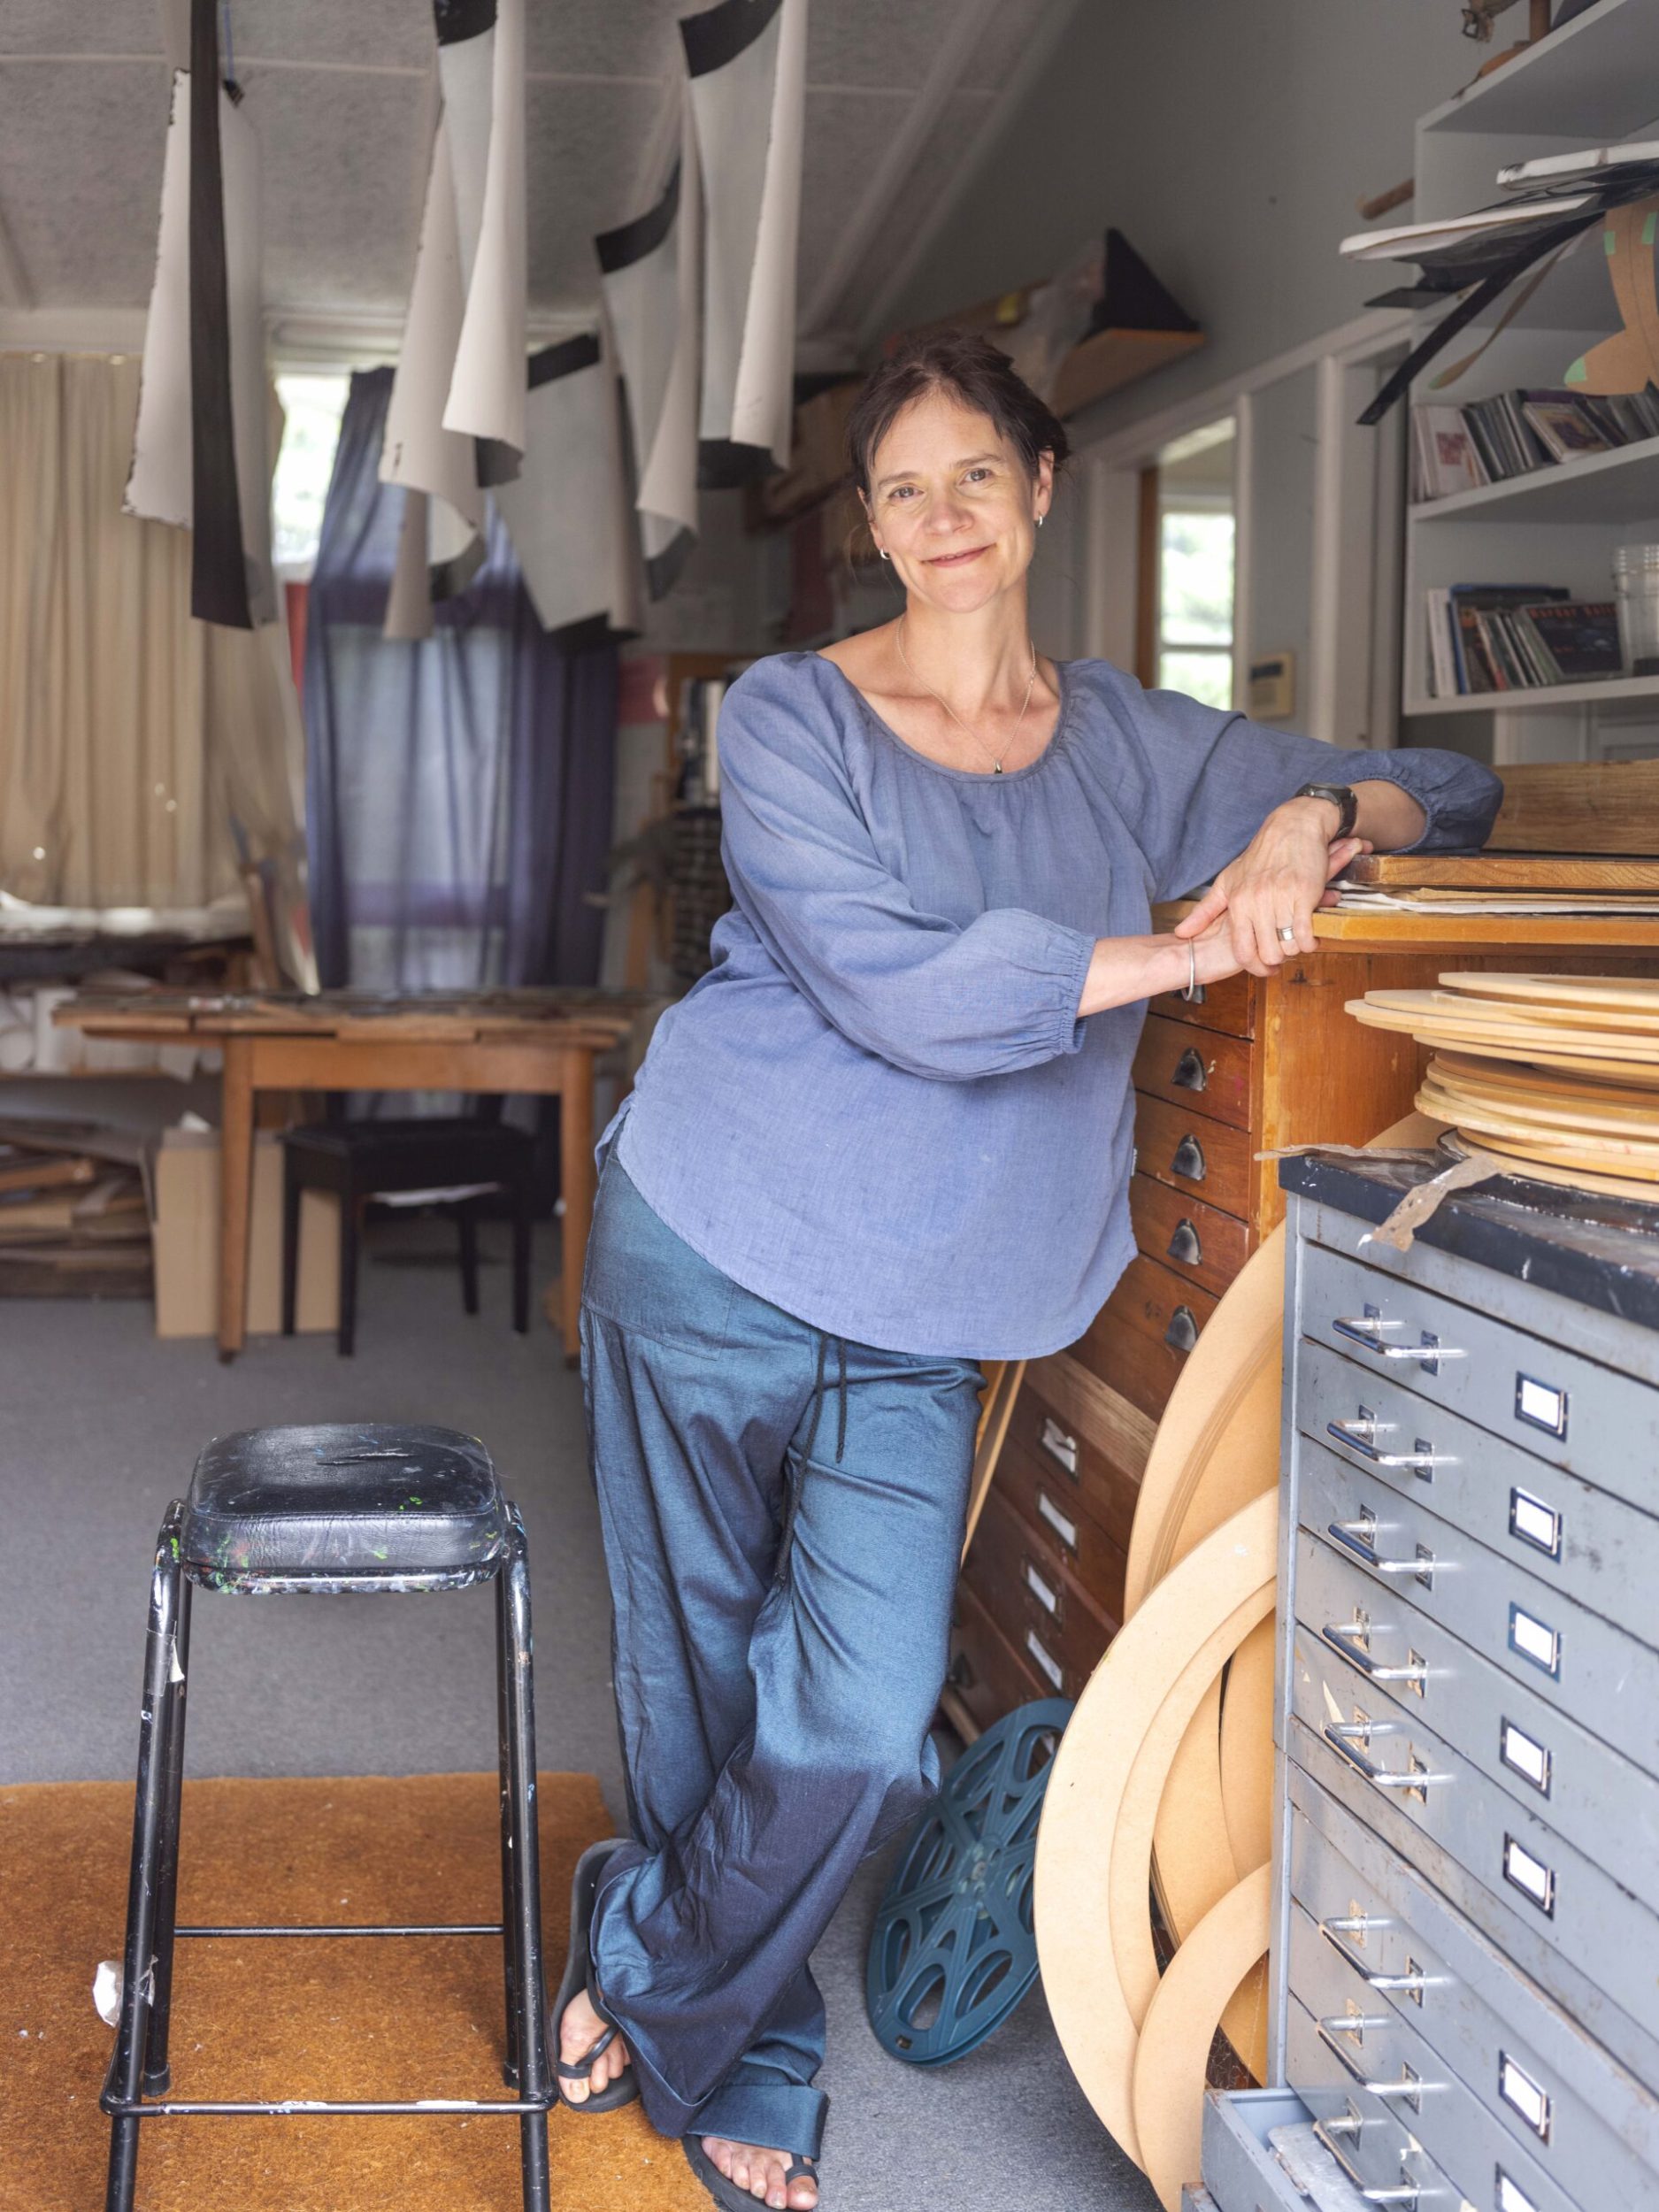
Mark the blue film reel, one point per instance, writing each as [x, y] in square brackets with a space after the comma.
[954, 1949]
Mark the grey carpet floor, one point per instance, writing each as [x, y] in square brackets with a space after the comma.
[99, 1424]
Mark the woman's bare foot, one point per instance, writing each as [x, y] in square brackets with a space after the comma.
[761, 2171]
[578, 2030]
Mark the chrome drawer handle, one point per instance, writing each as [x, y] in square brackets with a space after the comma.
[1410, 2085]
[1058, 1445]
[1357, 1435]
[1413, 1783]
[1357, 1539]
[1184, 1245]
[1182, 1332]
[1329, 1930]
[1406, 2194]
[1367, 1329]
[1344, 1640]
[1190, 1072]
[1189, 1159]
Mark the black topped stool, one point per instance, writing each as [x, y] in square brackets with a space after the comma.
[358, 1159]
[325, 1510]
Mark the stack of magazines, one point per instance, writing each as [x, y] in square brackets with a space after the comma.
[1517, 637]
[1455, 449]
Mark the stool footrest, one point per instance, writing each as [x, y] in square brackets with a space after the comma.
[311, 2108]
[391, 1928]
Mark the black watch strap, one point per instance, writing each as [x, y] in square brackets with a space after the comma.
[1342, 796]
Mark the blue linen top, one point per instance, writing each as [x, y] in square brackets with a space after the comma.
[879, 1109]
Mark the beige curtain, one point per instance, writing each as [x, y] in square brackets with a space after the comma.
[131, 738]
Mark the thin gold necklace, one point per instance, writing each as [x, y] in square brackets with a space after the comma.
[995, 758]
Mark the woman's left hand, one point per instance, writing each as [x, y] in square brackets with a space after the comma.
[1276, 884]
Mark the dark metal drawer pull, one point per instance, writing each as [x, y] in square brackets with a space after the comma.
[1357, 1435]
[1407, 2194]
[1058, 1445]
[1344, 1640]
[1367, 1328]
[1184, 1245]
[1414, 1781]
[1190, 1072]
[1358, 1539]
[1182, 1332]
[1189, 1159]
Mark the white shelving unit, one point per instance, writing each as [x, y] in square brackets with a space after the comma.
[1593, 83]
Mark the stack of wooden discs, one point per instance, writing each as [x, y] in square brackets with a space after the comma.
[1558, 1072]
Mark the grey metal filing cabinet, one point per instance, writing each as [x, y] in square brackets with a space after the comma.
[1465, 1986]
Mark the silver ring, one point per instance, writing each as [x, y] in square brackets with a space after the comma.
[1287, 934]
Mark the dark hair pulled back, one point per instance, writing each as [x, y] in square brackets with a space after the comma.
[970, 369]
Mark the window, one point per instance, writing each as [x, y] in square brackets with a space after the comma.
[311, 407]
[1195, 559]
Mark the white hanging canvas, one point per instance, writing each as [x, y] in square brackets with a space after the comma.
[747, 62]
[568, 512]
[650, 272]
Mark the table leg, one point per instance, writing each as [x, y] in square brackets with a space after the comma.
[576, 1188]
[235, 1193]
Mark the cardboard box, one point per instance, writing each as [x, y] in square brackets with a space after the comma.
[184, 1183]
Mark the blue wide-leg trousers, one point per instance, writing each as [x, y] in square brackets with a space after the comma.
[783, 1515]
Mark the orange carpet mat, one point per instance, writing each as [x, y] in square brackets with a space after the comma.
[382, 2017]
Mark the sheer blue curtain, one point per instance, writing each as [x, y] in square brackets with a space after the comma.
[459, 789]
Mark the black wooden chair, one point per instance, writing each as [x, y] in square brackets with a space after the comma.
[324, 1511]
[360, 1160]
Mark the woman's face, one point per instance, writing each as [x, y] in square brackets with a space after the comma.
[952, 505]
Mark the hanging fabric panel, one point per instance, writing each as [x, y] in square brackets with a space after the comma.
[651, 272]
[747, 61]
[201, 449]
[568, 514]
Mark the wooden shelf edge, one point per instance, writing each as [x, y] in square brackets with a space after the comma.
[1420, 932]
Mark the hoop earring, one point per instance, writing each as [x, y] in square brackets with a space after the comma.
[1041, 520]
[884, 553]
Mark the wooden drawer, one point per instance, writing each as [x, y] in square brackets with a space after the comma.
[1198, 1241]
[1048, 1502]
[1230, 1005]
[1016, 1577]
[1191, 1151]
[1134, 1341]
[1074, 1432]
[986, 1674]
[1180, 1063]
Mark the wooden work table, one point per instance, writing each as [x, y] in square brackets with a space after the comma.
[508, 1041]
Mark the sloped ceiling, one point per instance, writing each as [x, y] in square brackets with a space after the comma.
[903, 96]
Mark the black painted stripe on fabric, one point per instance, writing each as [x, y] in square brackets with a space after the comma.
[629, 243]
[722, 464]
[496, 462]
[721, 34]
[663, 570]
[564, 359]
[219, 567]
[458, 19]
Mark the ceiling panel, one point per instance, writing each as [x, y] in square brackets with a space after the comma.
[1001, 46]
[846, 135]
[342, 166]
[961, 121]
[79, 26]
[80, 177]
[883, 44]
[603, 38]
[368, 32]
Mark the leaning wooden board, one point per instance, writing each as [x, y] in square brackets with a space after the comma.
[1579, 807]
[1504, 872]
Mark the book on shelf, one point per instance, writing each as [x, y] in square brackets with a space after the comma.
[1513, 434]
[1487, 638]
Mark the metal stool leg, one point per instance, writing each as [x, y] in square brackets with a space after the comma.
[467, 1221]
[157, 2072]
[291, 1190]
[523, 1907]
[124, 2079]
[504, 1727]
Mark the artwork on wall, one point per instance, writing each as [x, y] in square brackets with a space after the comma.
[201, 447]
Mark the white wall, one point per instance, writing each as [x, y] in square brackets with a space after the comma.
[1229, 139]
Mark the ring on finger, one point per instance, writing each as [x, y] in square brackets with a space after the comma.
[1287, 934]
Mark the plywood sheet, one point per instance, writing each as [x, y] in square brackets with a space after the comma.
[1495, 872]
[1578, 807]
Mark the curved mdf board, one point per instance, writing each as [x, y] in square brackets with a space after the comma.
[1169, 2072]
[1193, 1863]
[1197, 1615]
[1129, 1868]
[1246, 1737]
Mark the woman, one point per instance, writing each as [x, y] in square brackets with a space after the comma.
[888, 1135]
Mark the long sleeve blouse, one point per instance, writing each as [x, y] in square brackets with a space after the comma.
[880, 1110]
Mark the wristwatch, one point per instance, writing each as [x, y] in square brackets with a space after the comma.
[1342, 796]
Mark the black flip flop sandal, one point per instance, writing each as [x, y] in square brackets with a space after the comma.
[727, 2193]
[624, 2088]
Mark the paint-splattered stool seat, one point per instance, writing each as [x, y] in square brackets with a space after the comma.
[321, 1512]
